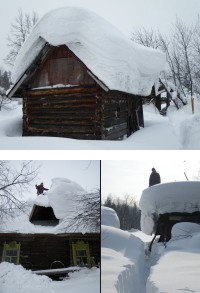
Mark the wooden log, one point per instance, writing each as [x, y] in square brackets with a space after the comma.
[63, 91]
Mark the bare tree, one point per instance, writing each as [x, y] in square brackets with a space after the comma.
[89, 212]
[13, 182]
[182, 49]
[183, 38]
[19, 31]
[147, 38]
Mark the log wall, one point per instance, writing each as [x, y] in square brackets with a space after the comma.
[114, 111]
[69, 112]
[39, 251]
[85, 112]
[121, 114]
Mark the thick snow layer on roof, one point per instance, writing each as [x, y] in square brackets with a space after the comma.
[42, 200]
[109, 217]
[64, 197]
[115, 60]
[168, 198]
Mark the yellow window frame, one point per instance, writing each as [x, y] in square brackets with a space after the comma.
[11, 251]
[80, 251]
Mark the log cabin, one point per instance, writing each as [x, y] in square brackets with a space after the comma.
[79, 77]
[43, 242]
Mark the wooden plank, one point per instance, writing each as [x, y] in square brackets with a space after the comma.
[60, 123]
[61, 67]
[63, 91]
[57, 271]
[61, 130]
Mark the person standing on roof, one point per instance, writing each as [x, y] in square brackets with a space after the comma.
[40, 188]
[154, 177]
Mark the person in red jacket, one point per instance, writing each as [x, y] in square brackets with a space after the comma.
[40, 188]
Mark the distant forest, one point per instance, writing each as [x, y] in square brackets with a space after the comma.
[127, 211]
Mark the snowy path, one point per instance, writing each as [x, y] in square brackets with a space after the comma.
[158, 134]
[125, 265]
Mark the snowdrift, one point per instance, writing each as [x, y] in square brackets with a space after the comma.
[168, 198]
[178, 262]
[109, 217]
[122, 256]
[14, 278]
[115, 60]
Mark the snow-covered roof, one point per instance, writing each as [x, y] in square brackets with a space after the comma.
[110, 56]
[168, 198]
[64, 198]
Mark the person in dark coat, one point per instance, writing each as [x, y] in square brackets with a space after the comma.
[40, 188]
[154, 177]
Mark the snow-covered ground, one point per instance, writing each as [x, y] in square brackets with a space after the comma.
[178, 130]
[14, 278]
[128, 266]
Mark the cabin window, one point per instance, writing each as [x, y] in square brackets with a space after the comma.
[11, 252]
[81, 254]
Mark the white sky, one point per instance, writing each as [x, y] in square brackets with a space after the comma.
[125, 14]
[120, 177]
[86, 173]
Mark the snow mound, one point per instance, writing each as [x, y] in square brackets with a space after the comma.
[186, 125]
[22, 280]
[123, 258]
[178, 262]
[185, 229]
[168, 198]
[114, 59]
[14, 278]
[109, 217]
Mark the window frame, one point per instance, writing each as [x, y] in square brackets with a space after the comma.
[11, 246]
[81, 246]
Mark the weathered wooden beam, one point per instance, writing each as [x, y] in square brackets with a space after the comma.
[62, 91]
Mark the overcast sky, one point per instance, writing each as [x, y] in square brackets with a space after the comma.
[86, 173]
[125, 14]
[120, 177]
